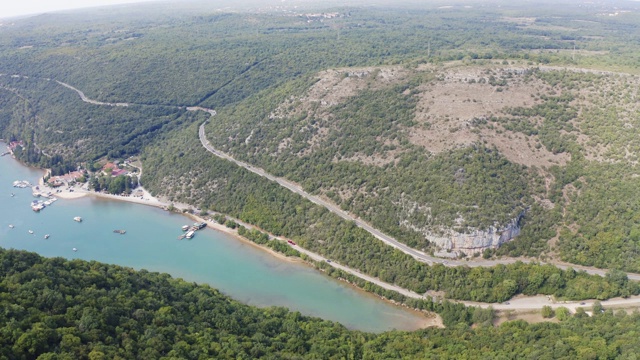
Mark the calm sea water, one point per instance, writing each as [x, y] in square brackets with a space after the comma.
[238, 269]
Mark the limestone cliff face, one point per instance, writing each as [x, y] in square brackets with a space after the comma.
[453, 243]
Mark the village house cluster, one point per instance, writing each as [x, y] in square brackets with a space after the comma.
[66, 179]
[112, 169]
[109, 169]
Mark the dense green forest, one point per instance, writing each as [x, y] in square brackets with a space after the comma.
[61, 309]
[58, 127]
[113, 185]
[214, 58]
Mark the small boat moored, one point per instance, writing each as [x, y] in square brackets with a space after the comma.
[77, 218]
[21, 184]
[74, 249]
[46, 236]
[30, 231]
[121, 232]
[37, 205]
[185, 227]
[11, 226]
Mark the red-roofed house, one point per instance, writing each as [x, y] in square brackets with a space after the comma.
[56, 181]
[119, 172]
[108, 167]
[14, 144]
[72, 176]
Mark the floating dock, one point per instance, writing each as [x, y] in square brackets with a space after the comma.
[191, 230]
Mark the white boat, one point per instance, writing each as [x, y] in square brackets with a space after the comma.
[77, 218]
[30, 231]
[190, 234]
[46, 236]
[74, 249]
[37, 206]
[11, 226]
[185, 227]
[21, 184]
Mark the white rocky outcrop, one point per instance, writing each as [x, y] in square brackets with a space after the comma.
[453, 243]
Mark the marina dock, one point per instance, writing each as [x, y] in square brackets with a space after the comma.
[190, 231]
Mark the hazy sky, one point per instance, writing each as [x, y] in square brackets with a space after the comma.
[10, 8]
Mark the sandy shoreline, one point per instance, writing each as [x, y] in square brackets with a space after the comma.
[79, 191]
[147, 199]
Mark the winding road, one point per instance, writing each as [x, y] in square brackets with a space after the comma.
[520, 303]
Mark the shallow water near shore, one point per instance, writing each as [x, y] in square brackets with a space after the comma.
[238, 269]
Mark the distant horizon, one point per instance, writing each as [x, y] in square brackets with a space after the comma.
[26, 8]
[35, 7]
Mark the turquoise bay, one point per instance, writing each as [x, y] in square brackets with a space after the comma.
[238, 269]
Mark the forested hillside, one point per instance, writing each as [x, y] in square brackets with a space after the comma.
[163, 54]
[54, 120]
[211, 183]
[60, 309]
[358, 151]
[464, 146]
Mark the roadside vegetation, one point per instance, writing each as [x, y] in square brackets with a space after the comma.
[219, 185]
